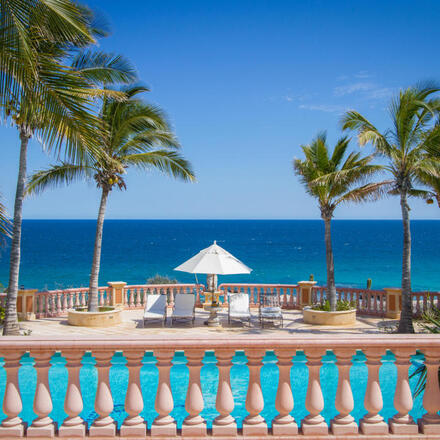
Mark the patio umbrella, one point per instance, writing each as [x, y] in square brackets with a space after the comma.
[214, 260]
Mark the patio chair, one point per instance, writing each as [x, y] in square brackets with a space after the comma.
[238, 307]
[269, 310]
[156, 309]
[184, 308]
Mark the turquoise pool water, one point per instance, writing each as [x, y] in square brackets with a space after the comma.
[209, 379]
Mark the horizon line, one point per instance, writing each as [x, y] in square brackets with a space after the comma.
[231, 219]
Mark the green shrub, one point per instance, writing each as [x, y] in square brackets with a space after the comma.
[2, 314]
[341, 305]
[161, 279]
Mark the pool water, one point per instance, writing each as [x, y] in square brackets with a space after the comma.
[209, 380]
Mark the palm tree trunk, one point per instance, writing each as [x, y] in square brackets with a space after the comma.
[11, 326]
[406, 324]
[94, 274]
[331, 288]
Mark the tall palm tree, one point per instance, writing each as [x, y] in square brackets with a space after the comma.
[139, 136]
[406, 148]
[334, 178]
[44, 97]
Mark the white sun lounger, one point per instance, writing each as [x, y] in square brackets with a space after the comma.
[156, 309]
[238, 307]
[184, 308]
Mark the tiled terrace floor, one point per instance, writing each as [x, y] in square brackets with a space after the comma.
[132, 325]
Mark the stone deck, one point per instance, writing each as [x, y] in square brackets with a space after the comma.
[132, 326]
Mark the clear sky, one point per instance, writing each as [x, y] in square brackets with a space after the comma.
[245, 83]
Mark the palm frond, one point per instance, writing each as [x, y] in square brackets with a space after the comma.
[57, 175]
[104, 68]
[5, 222]
[167, 162]
[370, 192]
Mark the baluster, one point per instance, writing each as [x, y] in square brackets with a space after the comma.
[198, 303]
[171, 298]
[402, 422]
[284, 423]
[66, 302]
[194, 424]
[131, 297]
[224, 424]
[104, 425]
[73, 425]
[343, 423]
[254, 424]
[314, 423]
[46, 306]
[43, 425]
[430, 423]
[83, 299]
[134, 424]
[38, 306]
[58, 309]
[164, 424]
[100, 298]
[125, 295]
[12, 425]
[373, 423]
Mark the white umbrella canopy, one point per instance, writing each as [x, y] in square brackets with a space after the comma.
[214, 260]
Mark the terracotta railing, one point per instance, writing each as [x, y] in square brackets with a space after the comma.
[287, 293]
[57, 302]
[135, 295]
[368, 302]
[401, 425]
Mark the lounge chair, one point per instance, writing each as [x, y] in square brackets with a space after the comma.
[156, 309]
[270, 310]
[238, 307]
[184, 308]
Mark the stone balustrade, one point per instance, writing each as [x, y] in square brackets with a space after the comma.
[367, 301]
[135, 295]
[384, 302]
[287, 293]
[195, 424]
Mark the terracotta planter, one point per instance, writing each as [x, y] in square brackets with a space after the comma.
[319, 317]
[94, 319]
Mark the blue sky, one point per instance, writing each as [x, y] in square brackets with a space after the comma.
[245, 83]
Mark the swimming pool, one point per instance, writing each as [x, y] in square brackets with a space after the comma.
[209, 380]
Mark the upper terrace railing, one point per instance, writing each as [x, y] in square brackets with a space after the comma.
[368, 302]
[288, 293]
[307, 392]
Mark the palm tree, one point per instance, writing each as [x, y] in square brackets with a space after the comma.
[44, 97]
[406, 148]
[139, 136]
[333, 179]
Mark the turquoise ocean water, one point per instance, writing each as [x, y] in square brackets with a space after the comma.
[58, 253]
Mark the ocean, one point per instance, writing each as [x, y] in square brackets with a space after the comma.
[58, 253]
